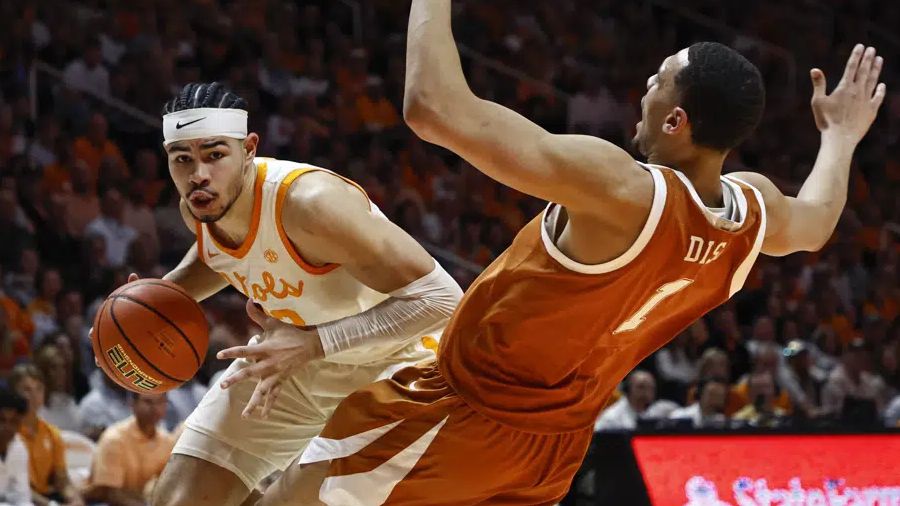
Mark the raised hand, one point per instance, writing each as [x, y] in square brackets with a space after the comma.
[850, 109]
[279, 348]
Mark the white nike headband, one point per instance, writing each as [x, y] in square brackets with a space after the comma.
[204, 122]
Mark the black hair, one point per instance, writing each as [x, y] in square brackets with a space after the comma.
[204, 95]
[723, 95]
[12, 400]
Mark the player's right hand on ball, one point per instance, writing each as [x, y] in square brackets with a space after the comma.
[277, 350]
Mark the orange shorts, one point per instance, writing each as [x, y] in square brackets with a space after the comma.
[411, 440]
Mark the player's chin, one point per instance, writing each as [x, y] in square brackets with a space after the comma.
[207, 215]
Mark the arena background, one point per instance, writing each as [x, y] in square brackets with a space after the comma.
[85, 199]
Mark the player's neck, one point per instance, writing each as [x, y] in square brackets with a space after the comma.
[704, 169]
[233, 228]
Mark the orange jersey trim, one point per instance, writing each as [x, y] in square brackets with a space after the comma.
[198, 227]
[241, 251]
[279, 225]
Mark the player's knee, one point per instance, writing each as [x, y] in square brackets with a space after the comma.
[189, 481]
[170, 491]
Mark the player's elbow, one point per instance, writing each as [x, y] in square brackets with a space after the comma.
[421, 111]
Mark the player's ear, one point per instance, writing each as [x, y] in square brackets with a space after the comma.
[675, 122]
[250, 144]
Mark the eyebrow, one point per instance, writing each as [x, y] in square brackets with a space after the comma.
[205, 145]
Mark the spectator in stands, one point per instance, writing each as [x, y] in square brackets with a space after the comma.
[59, 407]
[130, 454]
[42, 308]
[892, 413]
[110, 226]
[594, 110]
[15, 233]
[88, 73]
[376, 112]
[82, 205]
[709, 409]
[20, 283]
[54, 241]
[42, 151]
[802, 381]
[140, 218]
[767, 359]
[78, 385]
[56, 177]
[47, 470]
[147, 170]
[761, 410]
[13, 345]
[889, 366]
[677, 362]
[637, 403]
[851, 379]
[726, 335]
[95, 148]
[763, 332]
[14, 489]
[105, 405]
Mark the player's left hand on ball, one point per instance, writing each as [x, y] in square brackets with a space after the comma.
[279, 348]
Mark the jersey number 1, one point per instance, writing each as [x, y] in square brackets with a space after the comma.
[662, 293]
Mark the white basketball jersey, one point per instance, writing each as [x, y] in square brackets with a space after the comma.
[267, 267]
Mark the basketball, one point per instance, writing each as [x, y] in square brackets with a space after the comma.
[150, 336]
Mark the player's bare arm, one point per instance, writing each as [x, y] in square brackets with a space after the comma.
[331, 222]
[805, 222]
[197, 279]
[589, 176]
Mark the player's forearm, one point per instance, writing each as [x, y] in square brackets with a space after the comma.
[434, 74]
[197, 279]
[826, 187]
[421, 307]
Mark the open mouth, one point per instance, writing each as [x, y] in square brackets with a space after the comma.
[201, 199]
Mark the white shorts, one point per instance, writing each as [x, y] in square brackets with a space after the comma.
[254, 448]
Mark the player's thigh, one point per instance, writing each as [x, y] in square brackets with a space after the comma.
[299, 484]
[216, 430]
[190, 481]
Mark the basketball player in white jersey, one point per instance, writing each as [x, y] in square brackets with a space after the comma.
[310, 249]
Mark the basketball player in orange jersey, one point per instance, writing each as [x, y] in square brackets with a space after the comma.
[625, 257]
[361, 298]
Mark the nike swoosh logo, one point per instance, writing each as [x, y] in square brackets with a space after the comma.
[210, 254]
[180, 125]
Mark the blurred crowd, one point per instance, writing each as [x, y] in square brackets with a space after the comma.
[85, 198]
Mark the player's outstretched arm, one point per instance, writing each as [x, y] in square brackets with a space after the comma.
[806, 222]
[573, 170]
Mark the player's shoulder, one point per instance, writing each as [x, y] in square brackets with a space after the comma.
[316, 197]
[755, 180]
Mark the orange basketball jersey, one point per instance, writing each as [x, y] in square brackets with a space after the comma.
[540, 341]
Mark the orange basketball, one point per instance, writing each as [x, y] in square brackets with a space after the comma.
[150, 336]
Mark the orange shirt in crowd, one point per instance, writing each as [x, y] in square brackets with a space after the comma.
[126, 459]
[842, 328]
[93, 155]
[56, 179]
[46, 455]
[17, 319]
[377, 114]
